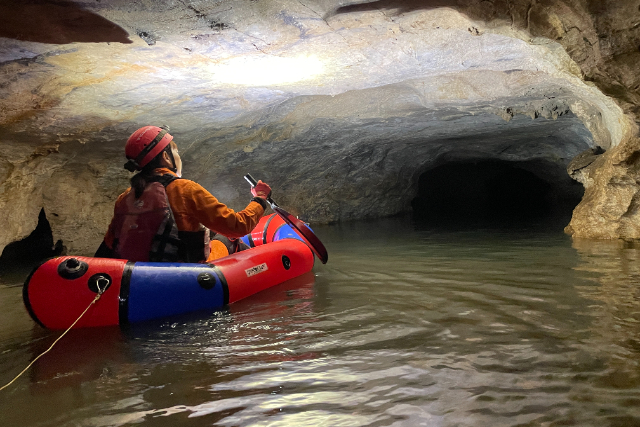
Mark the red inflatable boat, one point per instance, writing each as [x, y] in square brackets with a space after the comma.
[58, 291]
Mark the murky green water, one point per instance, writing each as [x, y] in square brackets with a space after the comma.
[403, 327]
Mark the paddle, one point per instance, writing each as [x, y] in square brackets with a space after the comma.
[300, 227]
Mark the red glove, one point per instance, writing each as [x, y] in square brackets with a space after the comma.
[261, 190]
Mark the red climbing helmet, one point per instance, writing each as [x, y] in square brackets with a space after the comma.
[144, 145]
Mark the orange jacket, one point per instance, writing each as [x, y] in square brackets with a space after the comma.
[192, 206]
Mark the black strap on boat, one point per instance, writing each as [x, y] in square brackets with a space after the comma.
[223, 282]
[123, 300]
[266, 229]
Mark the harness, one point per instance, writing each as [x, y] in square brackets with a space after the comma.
[145, 228]
[166, 244]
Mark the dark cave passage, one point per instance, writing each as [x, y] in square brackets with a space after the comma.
[491, 193]
[32, 249]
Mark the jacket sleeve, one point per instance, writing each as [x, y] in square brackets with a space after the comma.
[218, 217]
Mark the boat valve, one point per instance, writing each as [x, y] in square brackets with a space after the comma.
[72, 268]
[206, 280]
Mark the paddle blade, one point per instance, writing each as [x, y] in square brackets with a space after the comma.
[305, 232]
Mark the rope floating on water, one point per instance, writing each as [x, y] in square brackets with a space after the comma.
[100, 292]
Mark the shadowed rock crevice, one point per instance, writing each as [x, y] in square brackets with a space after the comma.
[56, 22]
[36, 246]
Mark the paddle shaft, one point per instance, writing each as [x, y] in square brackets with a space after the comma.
[253, 183]
[303, 231]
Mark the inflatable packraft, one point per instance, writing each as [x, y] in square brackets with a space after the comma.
[59, 290]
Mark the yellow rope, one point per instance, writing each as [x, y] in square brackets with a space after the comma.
[54, 343]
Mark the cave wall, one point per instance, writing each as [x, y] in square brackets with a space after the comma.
[388, 90]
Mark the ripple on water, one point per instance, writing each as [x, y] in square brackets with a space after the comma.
[401, 328]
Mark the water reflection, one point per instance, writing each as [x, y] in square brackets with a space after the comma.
[257, 328]
[85, 355]
[616, 326]
[404, 327]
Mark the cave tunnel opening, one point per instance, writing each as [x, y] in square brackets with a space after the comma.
[492, 193]
[31, 250]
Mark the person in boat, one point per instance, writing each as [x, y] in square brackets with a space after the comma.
[166, 218]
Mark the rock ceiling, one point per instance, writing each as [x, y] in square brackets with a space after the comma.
[340, 105]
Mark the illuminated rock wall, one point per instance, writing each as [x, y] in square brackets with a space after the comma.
[340, 107]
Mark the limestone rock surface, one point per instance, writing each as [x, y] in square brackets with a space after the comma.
[340, 106]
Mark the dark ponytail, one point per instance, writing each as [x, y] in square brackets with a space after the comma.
[139, 181]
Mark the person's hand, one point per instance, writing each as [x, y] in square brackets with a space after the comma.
[261, 190]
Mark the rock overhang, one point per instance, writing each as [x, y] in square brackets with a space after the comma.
[379, 97]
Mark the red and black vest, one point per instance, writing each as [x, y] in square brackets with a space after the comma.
[145, 229]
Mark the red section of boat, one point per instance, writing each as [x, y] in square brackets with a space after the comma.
[267, 226]
[254, 270]
[56, 293]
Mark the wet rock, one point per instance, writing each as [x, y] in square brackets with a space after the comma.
[576, 167]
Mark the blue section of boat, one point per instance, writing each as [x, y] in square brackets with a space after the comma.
[286, 232]
[283, 232]
[164, 289]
